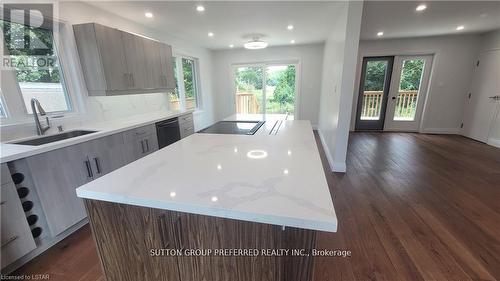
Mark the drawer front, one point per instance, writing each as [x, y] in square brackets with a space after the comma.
[16, 238]
[139, 133]
[188, 118]
[186, 129]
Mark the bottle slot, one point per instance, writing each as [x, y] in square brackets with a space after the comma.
[17, 178]
[23, 192]
[27, 206]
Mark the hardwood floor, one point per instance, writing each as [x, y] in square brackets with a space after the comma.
[410, 207]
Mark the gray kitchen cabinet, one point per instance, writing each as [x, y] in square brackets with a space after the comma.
[115, 62]
[56, 174]
[167, 66]
[186, 125]
[136, 61]
[16, 238]
[102, 58]
[154, 75]
[140, 142]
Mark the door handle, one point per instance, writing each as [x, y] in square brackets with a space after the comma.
[89, 169]
[97, 164]
[142, 146]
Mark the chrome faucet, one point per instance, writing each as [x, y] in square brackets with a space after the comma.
[40, 129]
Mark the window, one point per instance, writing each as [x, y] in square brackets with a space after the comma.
[190, 88]
[186, 92]
[38, 73]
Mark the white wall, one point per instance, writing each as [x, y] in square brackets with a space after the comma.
[339, 68]
[453, 63]
[108, 108]
[309, 58]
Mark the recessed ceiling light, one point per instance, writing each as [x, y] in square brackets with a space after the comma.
[214, 198]
[148, 14]
[292, 41]
[289, 27]
[232, 46]
[420, 8]
[210, 34]
[200, 8]
[460, 27]
[380, 33]
[255, 44]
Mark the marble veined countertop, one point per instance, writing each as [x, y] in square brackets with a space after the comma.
[11, 152]
[274, 177]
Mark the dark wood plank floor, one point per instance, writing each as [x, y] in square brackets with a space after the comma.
[410, 207]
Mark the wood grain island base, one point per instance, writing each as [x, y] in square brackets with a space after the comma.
[125, 236]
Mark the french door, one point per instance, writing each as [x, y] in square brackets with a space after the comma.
[373, 92]
[410, 80]
[266, 89]
[392, 93]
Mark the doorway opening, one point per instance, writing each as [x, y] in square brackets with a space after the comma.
[266, 89]
[392, 92]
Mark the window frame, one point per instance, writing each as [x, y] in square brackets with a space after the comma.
[180, 82]
[71, 80]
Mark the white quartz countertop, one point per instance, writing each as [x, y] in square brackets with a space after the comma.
[11, 152]
[267, 178]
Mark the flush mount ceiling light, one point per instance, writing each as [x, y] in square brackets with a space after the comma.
[420, 8]
[148, 15]
[380, 33]
[255, 44]
[200, 8]
[460, 27]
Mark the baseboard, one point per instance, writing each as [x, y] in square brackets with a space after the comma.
[494, 142]
[334, 166]
[452, 131]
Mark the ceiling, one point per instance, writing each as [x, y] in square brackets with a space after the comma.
[399, 19]
[233, 22]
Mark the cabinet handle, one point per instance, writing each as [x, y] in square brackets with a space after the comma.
[89, 169]
[147, 145]
[10, 240]
[3, 203]
[132, 79]
[142, 146]
[127, 80]
[97, 164]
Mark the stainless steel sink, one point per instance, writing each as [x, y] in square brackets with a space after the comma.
[53, 138]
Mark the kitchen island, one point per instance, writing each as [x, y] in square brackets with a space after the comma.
[265, 194]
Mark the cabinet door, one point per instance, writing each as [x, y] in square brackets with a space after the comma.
[106, 154]
[167, 66]
[16, 236]
[56, 175]
[135, 59]
[111, 49]
[140, 142]
[154, 78]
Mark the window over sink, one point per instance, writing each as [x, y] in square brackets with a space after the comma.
[36, 68]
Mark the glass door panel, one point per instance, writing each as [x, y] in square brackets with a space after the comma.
[409, 88]
[249, 90]
[407, 93]
[280, 90]
[374, 88]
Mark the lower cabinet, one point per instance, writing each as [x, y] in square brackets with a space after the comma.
[186, 125]
[140, 142]
[56, 174]
[16, 236]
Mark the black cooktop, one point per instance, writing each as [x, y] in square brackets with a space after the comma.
[233, 127]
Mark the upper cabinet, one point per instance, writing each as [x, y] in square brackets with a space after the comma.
[115, 62]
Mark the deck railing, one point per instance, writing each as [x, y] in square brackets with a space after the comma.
[246, 103]
[406, 104]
